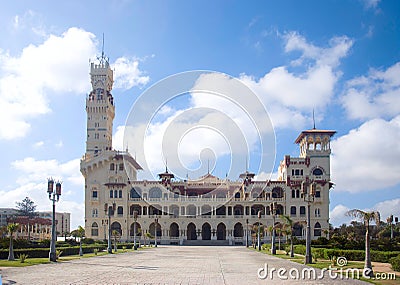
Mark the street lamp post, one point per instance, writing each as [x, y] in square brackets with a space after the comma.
[309, 198]
[107, 211]
[155, 231]
[259, 226]
[135, 216]
[247, 232]
[274, 206]
[54, 197]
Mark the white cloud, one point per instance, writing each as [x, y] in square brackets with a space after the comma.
[38, 144]
[32, 182]
[366, 158]
[338, 216]
[127, 73]
[370, 4]
[57, 65]
[288, 94]
[385, 208]
[374, 95]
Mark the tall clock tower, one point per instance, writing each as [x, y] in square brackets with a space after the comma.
[100, 108]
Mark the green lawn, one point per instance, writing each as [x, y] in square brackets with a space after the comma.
[35, 261]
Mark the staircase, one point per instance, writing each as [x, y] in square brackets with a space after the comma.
[206, 242]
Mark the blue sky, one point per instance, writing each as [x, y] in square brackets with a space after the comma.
[340, 58]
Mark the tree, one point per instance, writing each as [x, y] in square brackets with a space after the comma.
[80, 233]
[366, 218]
[27, 208]
[13, 227]
[288, 225]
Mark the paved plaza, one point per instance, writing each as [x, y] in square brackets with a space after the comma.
[165, 265]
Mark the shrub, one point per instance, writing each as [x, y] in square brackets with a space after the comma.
[22, 257]
[266, 246]
[96, 250]
[395, 262]
[300, 249]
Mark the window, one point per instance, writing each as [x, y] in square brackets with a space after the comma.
[94, 194]
[293, 211]
[120, 194]
[115, 193]
[95, 229]
[318, 193]
[317, 212]
[317, 172]
[121, 166]
[317, 229]
[120, 210]
[95, 213]
[112, 166]
[293, 193]
[302, 211]
[277, 192]
[111, 193]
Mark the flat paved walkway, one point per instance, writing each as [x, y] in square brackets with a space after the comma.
[165, 265]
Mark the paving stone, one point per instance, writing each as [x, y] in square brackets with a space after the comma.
[165, 265]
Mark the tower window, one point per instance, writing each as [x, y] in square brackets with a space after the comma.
[94, 194]
[317, 172]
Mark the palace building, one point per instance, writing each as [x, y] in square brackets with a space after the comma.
[208, 210]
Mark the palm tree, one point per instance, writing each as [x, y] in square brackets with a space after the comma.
[288, 224]
[366, 217]
[11, 229]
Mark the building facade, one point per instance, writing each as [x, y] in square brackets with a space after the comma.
[206, 210]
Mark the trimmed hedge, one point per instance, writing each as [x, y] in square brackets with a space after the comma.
[395, 262]
[44, 252]
[350, 254]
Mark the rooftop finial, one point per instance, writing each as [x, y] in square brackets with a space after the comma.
[313, 118]
[103, 59]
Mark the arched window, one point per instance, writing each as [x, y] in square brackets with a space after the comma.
[95, 229]
[302, 211]
[115, 193]
[112, 166]
[155, 193]
[293, 193]
[237, 195]
[120, 210]
[277, 192]
[135, 193]
[317, 229]
[317, 172]
[121, 166]
[120, 194]
[293, 211]
[111, 193]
